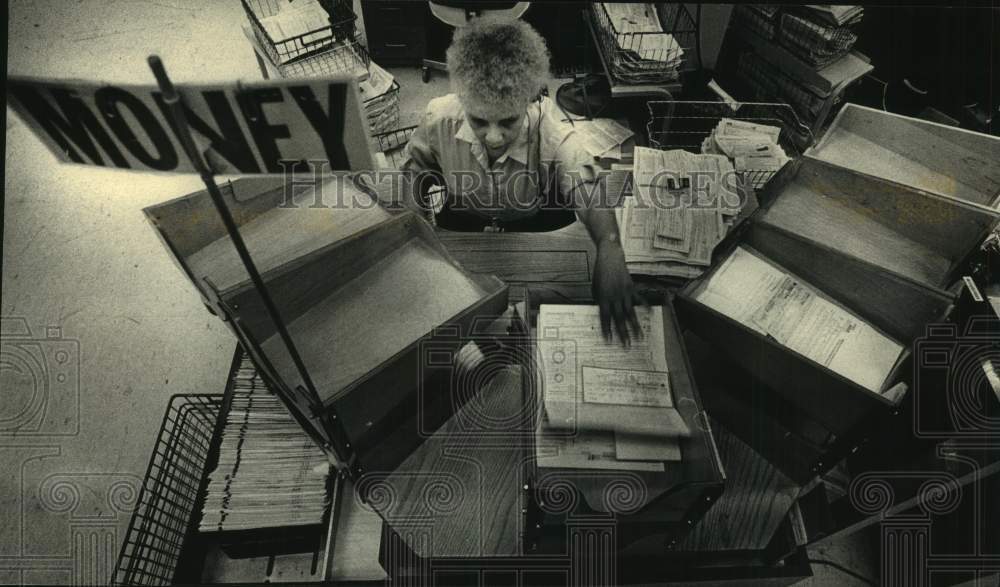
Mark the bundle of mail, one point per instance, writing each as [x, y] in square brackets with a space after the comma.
[604, 406]
[682, 205]
[641, 52]
[752, 147]
[269, 473]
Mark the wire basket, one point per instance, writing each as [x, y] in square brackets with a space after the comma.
[168, 498]
[344, 57]
[815, 43]
[340, 26]
[382, 111]
[392, 144]
[686, 124]
[647, 57]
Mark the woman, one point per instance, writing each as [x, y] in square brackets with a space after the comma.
[508, 161]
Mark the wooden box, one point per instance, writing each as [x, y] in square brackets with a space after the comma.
[650, 511]
[932, 157]
[886, 253]
[367, 298]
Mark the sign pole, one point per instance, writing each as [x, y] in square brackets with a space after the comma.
[173, 100]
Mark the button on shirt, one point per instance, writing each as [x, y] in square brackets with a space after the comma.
[546, 155]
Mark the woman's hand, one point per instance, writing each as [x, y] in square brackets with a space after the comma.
[614, 292]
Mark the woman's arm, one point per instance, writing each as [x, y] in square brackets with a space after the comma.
[612, 284]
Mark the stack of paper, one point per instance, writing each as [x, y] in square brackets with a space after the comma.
[269, 473]
[816, 43]
[644, 53]
[380, 98]
[605, 406]
[752, 147]
[682, 205]
[303, 21]
[838, 14]
[763, 296]
[602, 137]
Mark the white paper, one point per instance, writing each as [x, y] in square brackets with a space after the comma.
[763, 297]
[297, 18]
[650, 389]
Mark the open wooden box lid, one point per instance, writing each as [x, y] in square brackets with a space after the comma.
[364, 293]
[932, 157]
[280, 223]
[918, 235]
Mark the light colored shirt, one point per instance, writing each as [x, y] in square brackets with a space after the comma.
[547, 154]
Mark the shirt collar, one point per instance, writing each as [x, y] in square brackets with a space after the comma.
[518, 151]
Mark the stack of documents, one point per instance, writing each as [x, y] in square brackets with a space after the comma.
[682, 205]
[837, 14]
[602, 137]
[303, 21]
[761, 19]
[752, 147]
[753, 291]
[643, 51]
[815, 43]
[381, 98]
[604, 406]
[270, 473]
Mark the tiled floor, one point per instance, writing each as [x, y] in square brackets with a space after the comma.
[84, 272]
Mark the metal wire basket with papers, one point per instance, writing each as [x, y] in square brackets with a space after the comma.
[392, 145]
[345, 57]
[757, 153]
[646, 43]
[167, 501]
[292, 30]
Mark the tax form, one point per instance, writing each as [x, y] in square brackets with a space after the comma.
[762, 296]
[573, 353]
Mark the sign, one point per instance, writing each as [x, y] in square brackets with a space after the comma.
[263, 127]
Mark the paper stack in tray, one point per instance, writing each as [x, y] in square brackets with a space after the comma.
[304, 21]
[646, 53]
[269, 472]
[604, 406]
[752, 147]
[682, 205]
[381, 104]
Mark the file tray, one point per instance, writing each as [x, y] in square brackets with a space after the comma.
[802, 409]
[931, 157]
[917, 235]
[363, 293]
[650, 510]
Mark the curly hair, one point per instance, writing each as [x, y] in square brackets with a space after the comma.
[498, 64]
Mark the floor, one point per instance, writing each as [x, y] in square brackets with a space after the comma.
[84, 272]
